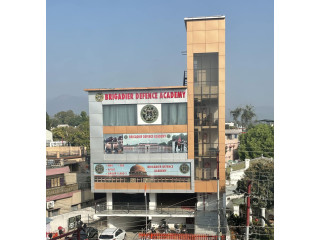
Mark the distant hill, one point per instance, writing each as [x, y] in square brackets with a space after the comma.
[67, 102]
[265, 112]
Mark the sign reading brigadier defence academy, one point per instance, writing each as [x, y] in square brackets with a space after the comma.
[142, 96]
[145, 95]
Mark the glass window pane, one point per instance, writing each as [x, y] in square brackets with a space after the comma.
[120, 115]
[174, 113]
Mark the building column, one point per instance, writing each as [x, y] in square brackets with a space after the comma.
[109, 202]
[153, 201]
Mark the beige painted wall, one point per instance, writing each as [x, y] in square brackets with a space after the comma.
[70, 178]
[65, 204]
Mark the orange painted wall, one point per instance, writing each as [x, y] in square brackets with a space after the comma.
[140, 186]
[145, 129]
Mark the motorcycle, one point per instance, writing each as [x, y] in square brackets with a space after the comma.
[184, 229]
[163, 227]
[153, 230]
[177, 228]
[180, 228]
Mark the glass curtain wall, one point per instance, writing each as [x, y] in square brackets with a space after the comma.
[206, 114]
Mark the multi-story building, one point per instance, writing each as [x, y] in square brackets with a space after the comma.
[232, 144]
[67, 183]
[167, 142]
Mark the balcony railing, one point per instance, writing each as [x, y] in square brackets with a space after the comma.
[129, 208]
[62, 189]
[53, 163]
[84, 185]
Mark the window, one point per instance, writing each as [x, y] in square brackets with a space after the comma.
[55, 182]
[120, 115]
[74, 207]
[174, 113]
[54, 212]
[126, 115]
[118, 232]
[236, 136]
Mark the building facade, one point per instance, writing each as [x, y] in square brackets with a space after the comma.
[167, 142]
[232, 144]
[67, 184]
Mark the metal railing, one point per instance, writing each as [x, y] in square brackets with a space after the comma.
[128, 208]
[54, 163]
[84, 185]
[185, 78]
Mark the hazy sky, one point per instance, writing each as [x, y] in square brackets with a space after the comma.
[108, 44]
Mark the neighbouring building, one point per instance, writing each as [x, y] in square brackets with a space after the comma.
[167, 142]
[49, 138]
[67, 183]
[230, 124]
[232, 144]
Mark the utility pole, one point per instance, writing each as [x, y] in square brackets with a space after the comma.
[248, 210]
[218, 195]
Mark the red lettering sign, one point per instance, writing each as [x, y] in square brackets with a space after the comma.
[144, 95]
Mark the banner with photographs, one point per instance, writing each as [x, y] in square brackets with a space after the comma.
[146, 143]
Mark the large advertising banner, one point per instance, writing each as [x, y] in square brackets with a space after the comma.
[145, 143]
[142, 170]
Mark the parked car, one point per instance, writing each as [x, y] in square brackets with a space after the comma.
[113, 233]
[92, 233]
[83, 236]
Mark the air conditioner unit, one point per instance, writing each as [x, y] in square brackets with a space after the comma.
[50, 204]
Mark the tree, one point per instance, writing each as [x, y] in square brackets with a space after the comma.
[60, 133]
[48, 124]
[79, 136]
[261, 174]
[257, 141]
[246, 115]
[235, 114]
[84, 116]
[76, 136]
[68, 117]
